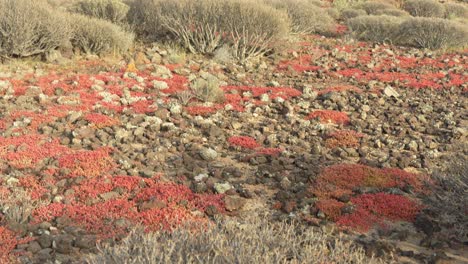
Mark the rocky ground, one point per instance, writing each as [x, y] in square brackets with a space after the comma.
[77, 139]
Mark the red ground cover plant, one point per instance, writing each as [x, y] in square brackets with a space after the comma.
[136, 200]
[8, 242]
[330, 116]
[244, 142]
[373, 209]
[330, 207]
[87, 163]
[100, 120]
[340, 88]
[344, 138]
[341, 180]
[200, 110]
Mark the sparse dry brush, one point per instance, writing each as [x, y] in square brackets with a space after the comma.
[97, 36]
[306, 16]
[376, 28]
[249, 28]
[455, 10]
[253, 241]
[30, 27]
[433, 33]
[112, 10]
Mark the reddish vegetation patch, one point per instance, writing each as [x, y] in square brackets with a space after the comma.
[87, 163]
[340, 88]
[269, 151]
[372, 209]
[344, 138]
[100, 204]
[330, 116]
[8, 242]
[342, 180]
[243, 141]
[100, 120]
[200, 110]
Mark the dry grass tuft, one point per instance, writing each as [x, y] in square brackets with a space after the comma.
[424, 8]
[112, 10]
[253, 241]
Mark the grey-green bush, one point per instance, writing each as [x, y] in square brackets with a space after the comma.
[252, 241]
[112, 10]
[30, 27]
[305, 17]
[372, 8]
[376, 28]
[393, 12]
[455, 10]
[250, 28]
[433, 33]
[424, 8]
[351, 13]
[97, 36]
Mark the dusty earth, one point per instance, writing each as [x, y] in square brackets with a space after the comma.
[332, 133]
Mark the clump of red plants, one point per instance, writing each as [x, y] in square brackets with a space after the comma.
[99, 204]
[244, 142]
[100, 120]
[330, 116]
[344, 138]
[343, 180]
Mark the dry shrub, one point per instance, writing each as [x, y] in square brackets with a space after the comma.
[306, 17]
[351, 13]
[424, 8]
[97, 36]
[372, 8]
[392, 12]
[346, 4]
[112, 10]
[433, 33]
[17, 207]
[248, 27]
[208, 89]
[452, 197]
[30, 27]
[376, 28]
[455, 10]
[252, 241]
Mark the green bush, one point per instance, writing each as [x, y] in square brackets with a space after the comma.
[112, 10]
[248, 27]
[424, 8]
[230, 241]
[306, 17]
[433, 33]
[30, 27]
[455, 10]
[97, 36]
[376, 28]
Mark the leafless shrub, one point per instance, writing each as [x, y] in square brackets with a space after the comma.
[97, 36]
[433, 33]
[376, 28]
[455, 10]
[306, 17]
[424, 8]
[452, 197]
[346, 4]
[30, 27]
[249, 27]
[229, 241]
[112, 10]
